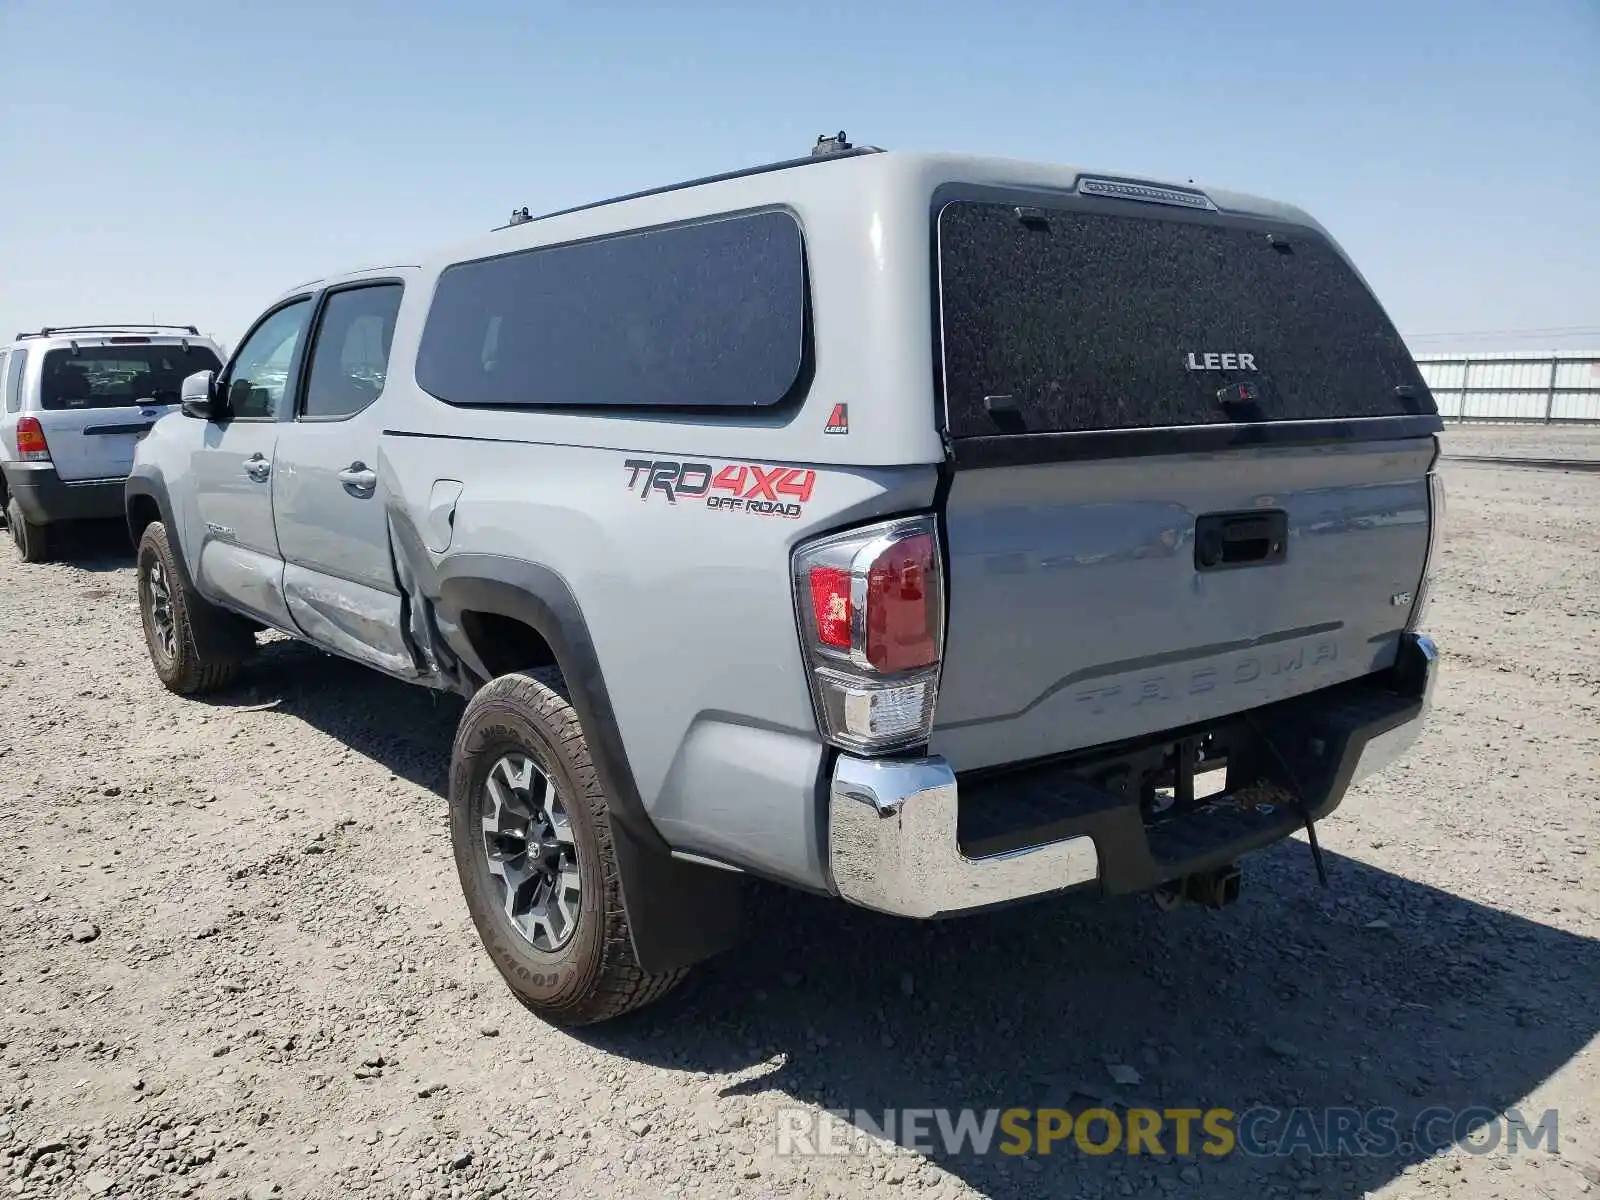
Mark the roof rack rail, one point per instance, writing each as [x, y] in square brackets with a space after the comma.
[53, 330]
[828, 148]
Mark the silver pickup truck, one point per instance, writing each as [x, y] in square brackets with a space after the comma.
[932, 532]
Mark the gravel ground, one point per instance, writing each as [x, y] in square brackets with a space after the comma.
[1579, 442]
[236, 963]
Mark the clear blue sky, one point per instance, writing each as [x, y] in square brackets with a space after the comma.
[186, 160]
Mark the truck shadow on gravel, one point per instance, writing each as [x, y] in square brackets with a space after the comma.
[1378, 992]
[407, 729]
[98, 546]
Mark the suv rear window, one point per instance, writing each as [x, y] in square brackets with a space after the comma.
[709, 314]
[1087, 321]
[13, 380]
[119, 376]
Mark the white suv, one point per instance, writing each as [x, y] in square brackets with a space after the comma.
[77, 398]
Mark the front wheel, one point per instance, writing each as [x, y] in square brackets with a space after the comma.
[531, 830]
[195, 646]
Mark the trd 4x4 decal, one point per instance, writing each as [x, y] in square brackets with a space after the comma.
[741, 487]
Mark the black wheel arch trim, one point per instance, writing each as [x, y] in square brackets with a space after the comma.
[152, 487]
[678, 912]
[148, 487]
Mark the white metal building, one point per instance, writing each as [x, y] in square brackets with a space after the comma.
[1549, 388]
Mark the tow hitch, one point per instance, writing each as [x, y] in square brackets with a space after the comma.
[1210, 889]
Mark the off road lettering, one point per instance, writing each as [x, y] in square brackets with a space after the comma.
[768, 508]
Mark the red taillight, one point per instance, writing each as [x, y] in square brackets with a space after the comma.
[31, 445]
[872, 618]
[830, 605]
[902, 628]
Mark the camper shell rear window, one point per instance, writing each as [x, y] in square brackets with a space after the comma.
[1057, 319]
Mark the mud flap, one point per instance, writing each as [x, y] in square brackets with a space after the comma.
[679, 913]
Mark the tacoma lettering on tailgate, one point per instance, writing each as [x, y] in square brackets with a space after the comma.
[1157, 689]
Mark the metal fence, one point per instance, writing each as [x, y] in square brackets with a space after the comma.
[1557, 387]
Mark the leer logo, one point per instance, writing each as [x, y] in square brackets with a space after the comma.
[838, 420]
[1231, 360]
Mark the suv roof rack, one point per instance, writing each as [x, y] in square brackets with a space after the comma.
[828, 146]
[53, 330]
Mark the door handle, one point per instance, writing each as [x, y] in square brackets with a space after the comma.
[257, 467]
[359, 480]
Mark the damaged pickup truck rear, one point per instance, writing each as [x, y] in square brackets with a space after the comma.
[929, 531]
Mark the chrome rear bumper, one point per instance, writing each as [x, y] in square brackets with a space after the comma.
[1385, 749]
[892, 845]
[892, 823]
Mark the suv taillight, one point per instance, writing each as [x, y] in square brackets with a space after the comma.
[1431, 560]
[31, 446]
[871, 609]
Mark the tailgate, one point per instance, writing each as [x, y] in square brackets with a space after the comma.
[1191, 472]
[96, 443]
[1080, 613]
[98, 397]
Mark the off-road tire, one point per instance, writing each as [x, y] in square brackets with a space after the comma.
[32, 541]
[594, 976]
[186, 670]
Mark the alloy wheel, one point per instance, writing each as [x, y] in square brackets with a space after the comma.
[529, 850]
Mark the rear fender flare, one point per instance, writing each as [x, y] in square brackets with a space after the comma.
[678, 912]
[147, 487]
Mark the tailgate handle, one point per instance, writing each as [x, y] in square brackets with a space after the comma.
[1249, 539]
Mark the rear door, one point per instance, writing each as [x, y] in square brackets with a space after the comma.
[328, 506]
[97, 397]
[1191, 459]
[232, 468]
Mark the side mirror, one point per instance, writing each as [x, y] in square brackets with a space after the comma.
[198, 396]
